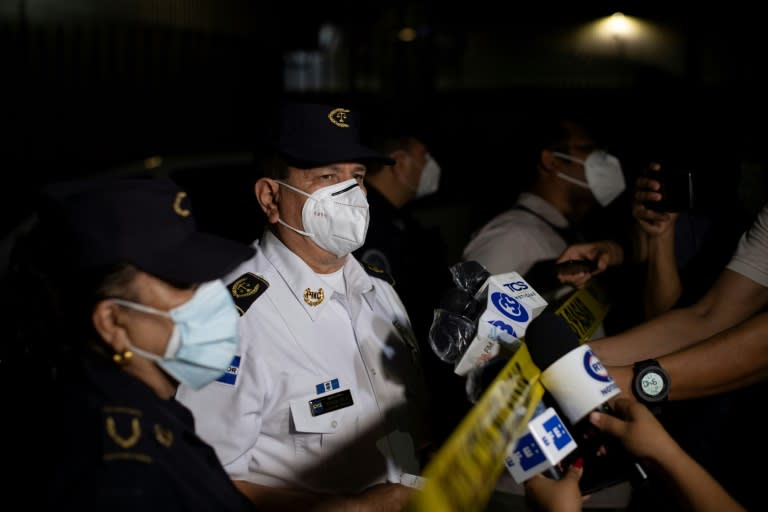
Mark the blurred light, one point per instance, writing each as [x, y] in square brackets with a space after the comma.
[619, 25]
[153, 162]
[629, 39]
[406, 34]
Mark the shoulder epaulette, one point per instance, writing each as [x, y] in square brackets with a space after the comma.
[375, 271]
[246, 289]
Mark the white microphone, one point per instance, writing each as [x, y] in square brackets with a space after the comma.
[578, 382]
[511, 304]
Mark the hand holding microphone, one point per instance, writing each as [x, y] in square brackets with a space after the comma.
[579, 384]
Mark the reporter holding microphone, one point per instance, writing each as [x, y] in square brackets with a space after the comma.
[643, 436]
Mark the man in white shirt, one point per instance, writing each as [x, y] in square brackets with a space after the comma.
[321, 408]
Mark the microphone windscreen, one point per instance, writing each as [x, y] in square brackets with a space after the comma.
[548, 338]
[460, 302]
[469, 275]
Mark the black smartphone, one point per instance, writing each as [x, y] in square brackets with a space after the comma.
[676, 190]
[575, 267]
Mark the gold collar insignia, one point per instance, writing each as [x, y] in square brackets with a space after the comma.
[314, 298]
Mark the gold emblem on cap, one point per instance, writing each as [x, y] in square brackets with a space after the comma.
[182, 212]
[314, 298]
[338, 116]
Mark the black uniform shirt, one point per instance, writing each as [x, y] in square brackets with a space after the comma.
[110, 443]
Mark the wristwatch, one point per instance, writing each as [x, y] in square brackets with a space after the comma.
[650, 384]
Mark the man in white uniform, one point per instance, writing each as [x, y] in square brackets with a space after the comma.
[321, 408]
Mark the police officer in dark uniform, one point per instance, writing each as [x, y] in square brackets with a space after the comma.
[117, 302]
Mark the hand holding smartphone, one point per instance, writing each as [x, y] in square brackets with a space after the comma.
[571, 267]
[676, 189]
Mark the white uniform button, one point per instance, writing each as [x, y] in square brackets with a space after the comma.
[373, 371]
[334, 423]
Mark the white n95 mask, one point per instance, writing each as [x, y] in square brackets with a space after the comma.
[604, 175]
[430, 178]
[334, 217]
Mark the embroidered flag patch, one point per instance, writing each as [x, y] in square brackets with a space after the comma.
[230, 376]
[327, 386]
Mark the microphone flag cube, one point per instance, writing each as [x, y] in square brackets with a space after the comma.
[511, 305]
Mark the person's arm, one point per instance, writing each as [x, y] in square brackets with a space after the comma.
[663, 287]
[654, 238]
[642, 435]
[381, 497]
[731, 300]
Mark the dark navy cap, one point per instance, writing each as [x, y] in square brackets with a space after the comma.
[310, 134]
[147, 222]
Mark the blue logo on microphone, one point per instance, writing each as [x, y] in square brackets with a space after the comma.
[509, 307]
[504, 327]
[595, 368]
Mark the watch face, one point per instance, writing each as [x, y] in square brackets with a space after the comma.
[652, 383]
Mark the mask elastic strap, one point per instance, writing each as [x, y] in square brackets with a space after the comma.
[173, 343]
[568, 157]
[142, 308]
[573, 180]
[293, 188]
[310, 235]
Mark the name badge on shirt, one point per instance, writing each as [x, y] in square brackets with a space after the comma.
[329, 403]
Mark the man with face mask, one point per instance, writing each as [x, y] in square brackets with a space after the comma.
[324, 407]
[571, 177]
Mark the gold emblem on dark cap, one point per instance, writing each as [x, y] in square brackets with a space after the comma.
[182, 212]
[163, 436]
[338, 116]
[314, 298]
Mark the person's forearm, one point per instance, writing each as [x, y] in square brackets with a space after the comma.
[732, 359]
[662, 280]
[695, 487]
[732, 299]
[289, 500]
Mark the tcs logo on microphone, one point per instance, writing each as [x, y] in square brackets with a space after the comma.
[510, 307]
[595, 368]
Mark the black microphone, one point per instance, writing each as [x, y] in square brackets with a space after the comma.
[578, 384]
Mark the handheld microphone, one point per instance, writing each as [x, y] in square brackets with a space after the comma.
[578, 383]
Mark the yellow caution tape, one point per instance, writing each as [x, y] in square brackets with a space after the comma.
[463, 474]
[585, 309]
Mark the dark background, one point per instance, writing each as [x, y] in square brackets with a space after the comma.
[91, 86]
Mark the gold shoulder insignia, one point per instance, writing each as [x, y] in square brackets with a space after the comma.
[375, 271]
[246, 289]
[123, 436]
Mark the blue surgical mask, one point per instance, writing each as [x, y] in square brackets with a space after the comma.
[204, 339]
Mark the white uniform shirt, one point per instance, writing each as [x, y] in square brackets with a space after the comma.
[751, 256]
[516, 239]
[262, 426]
